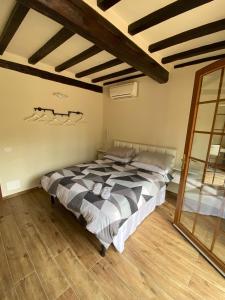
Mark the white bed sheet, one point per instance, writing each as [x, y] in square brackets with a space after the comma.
[130, 226]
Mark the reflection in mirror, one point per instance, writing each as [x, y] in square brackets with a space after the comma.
[217, 152]
[210, 202]
[219, 123]
[205, 117]
[200, 146]
[205, 226]
[192, 195]
[210, 85]
[221, 108]
[219, 245]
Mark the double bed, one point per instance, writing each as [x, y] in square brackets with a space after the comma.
[134, 194]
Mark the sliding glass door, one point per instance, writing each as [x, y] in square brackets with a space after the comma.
[200, 213]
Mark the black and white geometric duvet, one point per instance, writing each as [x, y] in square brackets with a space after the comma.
[130, 189]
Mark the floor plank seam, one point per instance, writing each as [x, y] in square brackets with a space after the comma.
[24, 277]
[100, 259]
[70, 285]
[13, 287]
[35, 270]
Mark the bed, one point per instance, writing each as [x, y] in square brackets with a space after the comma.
[135, 193]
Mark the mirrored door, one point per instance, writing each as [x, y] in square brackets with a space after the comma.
[200, 213]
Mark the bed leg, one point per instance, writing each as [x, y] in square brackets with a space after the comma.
[103, 251]
[52, 200]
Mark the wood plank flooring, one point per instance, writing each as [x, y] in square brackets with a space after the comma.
[46, 254]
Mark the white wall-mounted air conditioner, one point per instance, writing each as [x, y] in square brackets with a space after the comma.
[127, 90]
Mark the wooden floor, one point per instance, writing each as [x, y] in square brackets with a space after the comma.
[45, 254]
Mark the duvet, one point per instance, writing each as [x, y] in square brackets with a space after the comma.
[130, 189]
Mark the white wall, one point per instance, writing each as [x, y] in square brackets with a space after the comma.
[158, 116]
[29, 149]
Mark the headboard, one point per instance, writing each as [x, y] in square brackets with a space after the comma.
[145, 147]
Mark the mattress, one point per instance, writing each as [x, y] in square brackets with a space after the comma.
[131, 190]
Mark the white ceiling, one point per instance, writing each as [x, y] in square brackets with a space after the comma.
[127, 11]
[36, 29]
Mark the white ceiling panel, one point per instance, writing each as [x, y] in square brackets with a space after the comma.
[109, 71]
[131, 11]
[205, 40]
[199, 57]
[75, 45]
[120, 77]
[34, 31]
[95, 60]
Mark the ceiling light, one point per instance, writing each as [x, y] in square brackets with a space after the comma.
[60, 95]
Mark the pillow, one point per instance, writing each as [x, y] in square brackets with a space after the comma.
[158, 159]
[119, 159]
[122, 152]
[148, 167]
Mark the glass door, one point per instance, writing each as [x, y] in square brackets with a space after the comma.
[200, 212]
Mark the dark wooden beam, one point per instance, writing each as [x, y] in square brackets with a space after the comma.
[58, 39]
[16, 17]
[116, 74]
[49, 76]
[198, 61]
[188, 35]
[106, 4]
[193, 52]
[104, 66]
[124, 79]
[80, 18]
[78, 58]
[163, 14]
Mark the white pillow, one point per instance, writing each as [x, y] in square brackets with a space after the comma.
[122, 152]
[148, 167]
[161, 160]
[119, 159]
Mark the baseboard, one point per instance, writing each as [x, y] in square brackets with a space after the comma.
[171, 195]
[20, 193]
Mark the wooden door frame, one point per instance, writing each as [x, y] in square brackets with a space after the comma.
[186, 159]
[0, 193]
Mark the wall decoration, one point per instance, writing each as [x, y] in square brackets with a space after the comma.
[51, 117]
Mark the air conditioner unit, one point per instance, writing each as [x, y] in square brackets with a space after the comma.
[127, 90]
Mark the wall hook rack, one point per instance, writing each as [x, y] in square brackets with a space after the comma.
[36, 116]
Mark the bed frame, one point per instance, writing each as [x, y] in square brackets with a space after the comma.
[138, 148]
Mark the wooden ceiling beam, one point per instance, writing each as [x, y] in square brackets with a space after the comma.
[116, 74]
[58, 39]
[109, 64]
[16, 17]
[188, 35]
[165, 13]
[93, 50]
[198, 61]
[124, 79]
[80, 18]
[193, 52]
[106, 4]
[49, 76]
